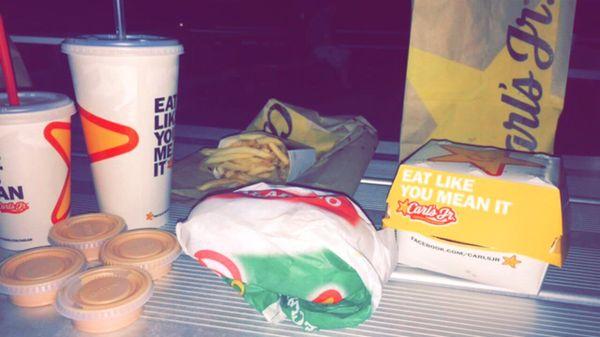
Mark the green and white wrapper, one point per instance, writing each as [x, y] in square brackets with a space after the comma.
[308, 255]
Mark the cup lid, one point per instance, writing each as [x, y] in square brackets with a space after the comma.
[39, 270]
[145, 248]
[104, 292]
[86, 230]
[36, 106]
[132, 44]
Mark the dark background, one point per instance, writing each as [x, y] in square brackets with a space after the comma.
[239, 53]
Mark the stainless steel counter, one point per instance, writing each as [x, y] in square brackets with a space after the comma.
[192, 301]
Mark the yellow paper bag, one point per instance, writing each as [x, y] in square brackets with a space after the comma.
[487, 73]
[324, 134]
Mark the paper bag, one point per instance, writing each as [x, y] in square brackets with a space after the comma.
[324, 134]
[487, 73]
[344, 145]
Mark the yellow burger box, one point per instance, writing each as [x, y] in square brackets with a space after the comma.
[484, 214]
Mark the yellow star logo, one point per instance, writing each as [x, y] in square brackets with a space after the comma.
[466, 101]
[149, 216]
[403, 207]
[490, 161]
[510, 261]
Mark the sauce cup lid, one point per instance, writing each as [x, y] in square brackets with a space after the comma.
[104, 292]
[145, 248]
[39, 270]
[86, 231]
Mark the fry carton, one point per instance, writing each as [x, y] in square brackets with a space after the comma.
[324, 152]
[301, 157]
[484, 214]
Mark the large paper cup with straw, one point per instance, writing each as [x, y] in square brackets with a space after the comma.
[35, 167]
[126, 91]
[35, 160]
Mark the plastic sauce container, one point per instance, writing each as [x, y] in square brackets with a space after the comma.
[33, 277]
[105, 299]
[150, 249]
[86, 232]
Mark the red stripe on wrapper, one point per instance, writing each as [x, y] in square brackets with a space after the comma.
[334, 203]
[223, 260]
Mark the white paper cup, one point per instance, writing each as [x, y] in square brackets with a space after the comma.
[127, 95]
[35, 167]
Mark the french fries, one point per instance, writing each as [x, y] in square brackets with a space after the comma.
[246, 158]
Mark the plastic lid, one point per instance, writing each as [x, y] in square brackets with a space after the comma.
[145, 248]
[36, 106]
[39, 270]
[86, 231]
[132, 45]
[104, 292]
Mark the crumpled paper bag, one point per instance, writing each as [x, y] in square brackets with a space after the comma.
[344, 145]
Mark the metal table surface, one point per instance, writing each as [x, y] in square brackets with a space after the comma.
[191, 301]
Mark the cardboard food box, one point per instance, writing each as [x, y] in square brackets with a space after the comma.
[484, 214]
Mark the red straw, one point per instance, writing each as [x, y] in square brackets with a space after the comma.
[7, 67]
